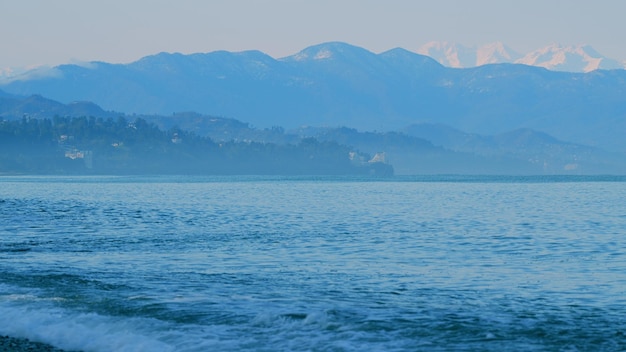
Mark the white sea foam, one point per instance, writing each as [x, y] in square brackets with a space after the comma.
[91, 332]
[80, 331]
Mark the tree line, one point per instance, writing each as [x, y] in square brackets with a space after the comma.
[90, 145]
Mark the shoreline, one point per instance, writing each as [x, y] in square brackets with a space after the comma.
[15, 344]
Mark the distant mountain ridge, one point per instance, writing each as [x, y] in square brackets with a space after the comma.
[337, 84]
[556, 57]
[579, 58]
[456, 55]
[36, 106]
[416, 149]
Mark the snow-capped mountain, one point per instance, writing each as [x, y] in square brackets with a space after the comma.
[494, 53]
[334, 84]
[449, 54]
[8, 72]
[578, 58]
[556, 57]
[459, 56]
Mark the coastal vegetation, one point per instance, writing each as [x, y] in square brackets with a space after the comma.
[41, 135]
[90, 145]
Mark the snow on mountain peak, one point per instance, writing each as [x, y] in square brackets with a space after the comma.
[326, 51]
[319, 55]
[575, 58]
[449, 54]
[323, 54]
[9, 75]
[459, 56]
[494, 53]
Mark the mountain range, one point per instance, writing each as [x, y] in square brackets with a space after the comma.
[421, 148]
[573, 58]
[338, 84]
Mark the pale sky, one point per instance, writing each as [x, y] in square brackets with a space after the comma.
[53, 32]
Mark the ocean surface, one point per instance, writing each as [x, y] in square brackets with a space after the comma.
[314, 264]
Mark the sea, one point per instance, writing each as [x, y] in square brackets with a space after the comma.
[429, 263]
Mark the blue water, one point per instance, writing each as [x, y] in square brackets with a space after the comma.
[314, 264]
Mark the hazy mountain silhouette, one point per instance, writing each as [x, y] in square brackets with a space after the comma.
[337, 84]
[416, 149]
[36, 106]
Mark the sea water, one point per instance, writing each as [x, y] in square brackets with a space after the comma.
[314, 264]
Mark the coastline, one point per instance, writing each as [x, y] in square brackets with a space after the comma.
[13, 344]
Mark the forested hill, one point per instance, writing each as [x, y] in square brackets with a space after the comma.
[89, 145]
[338, 84]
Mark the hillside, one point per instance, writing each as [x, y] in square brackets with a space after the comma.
[336, 84]
[96, 146]
[415, 149]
